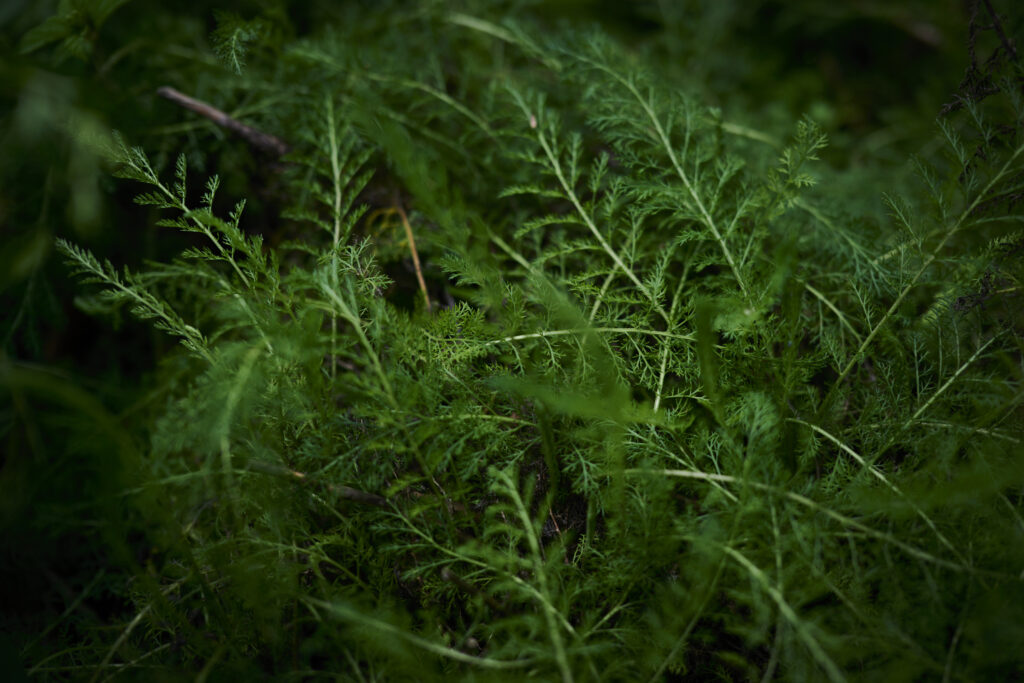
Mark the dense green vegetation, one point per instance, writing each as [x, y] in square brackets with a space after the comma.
[492, 340]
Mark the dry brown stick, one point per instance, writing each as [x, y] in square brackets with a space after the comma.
[257, 138]
[346, 492]
[998, 27]
[415, 254]
[273, 145]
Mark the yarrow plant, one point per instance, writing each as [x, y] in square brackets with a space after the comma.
[557, 372]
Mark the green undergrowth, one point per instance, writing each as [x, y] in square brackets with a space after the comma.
[674, 398]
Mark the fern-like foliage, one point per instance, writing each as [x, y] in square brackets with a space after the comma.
[668, 411]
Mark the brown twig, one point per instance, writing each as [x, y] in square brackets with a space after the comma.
[978, 82]
[346, 492]
[278, 147]
[386, 214]
[997, 26]
[257, 138]
[415, 254]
